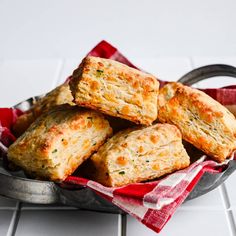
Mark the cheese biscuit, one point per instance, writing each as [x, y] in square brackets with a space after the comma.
[59, 141]
[139, 154]
[115, 89]
[203, 122]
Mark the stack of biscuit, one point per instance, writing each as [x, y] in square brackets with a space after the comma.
[115, 119]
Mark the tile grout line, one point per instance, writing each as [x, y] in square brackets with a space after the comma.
[191, 61]
[1, 61]
[224, 196]
[120, 228]
[45, 208]
[192, 65]
[8, 208]
[122, 222]
[231, 222]
[228, 211]
[58, 73]
[14, 221]
[201, 208]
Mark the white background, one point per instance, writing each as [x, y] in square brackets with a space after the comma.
[146, 28]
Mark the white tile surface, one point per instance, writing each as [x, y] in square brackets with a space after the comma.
[231, 190]
[185, 223]
[23, 79]
[61, 223]
[5, 219]
[212, 200]
[202, 61]
[7, 202]
[168, 69]
[69, 65]
[28, 206]
[233, 221]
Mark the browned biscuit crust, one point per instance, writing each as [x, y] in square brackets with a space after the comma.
[203, 121]
[59, 141]
[115, 89]
[136, 155]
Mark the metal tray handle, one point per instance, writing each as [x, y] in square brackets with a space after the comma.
[206, 72]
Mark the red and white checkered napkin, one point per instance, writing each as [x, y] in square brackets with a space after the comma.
[153, 203]
[7, 117]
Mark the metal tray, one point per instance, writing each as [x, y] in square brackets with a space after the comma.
[16, 186]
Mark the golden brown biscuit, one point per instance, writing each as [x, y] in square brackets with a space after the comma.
[59, 141]
[203, 121]
[136, 155]
[115, 89]
[59, 95]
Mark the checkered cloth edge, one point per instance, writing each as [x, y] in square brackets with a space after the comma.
[152, 203]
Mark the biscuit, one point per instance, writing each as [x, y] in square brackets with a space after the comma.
[136, 155]
[115, 89]
[204, 122]
[59, 95]
[59, 141]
